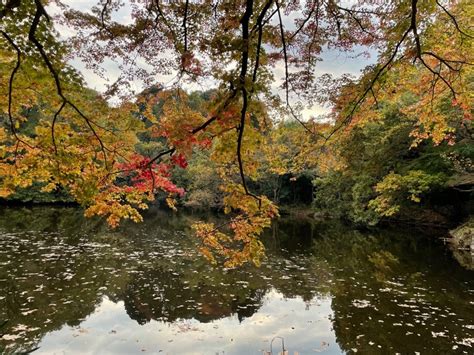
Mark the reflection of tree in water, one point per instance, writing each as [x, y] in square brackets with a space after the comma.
[185, 286]
[46, 283]
[292, 234]
[56, 270]
[167, 296]
[396, 294]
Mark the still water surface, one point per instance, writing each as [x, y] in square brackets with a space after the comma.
[68, 285]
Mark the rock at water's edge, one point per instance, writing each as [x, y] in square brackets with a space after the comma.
[462, 244]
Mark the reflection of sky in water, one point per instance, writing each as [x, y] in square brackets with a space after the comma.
[110, 330]
[71, 286]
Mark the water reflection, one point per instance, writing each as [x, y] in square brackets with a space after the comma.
[71, 285]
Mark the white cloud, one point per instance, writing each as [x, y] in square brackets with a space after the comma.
[109, 330]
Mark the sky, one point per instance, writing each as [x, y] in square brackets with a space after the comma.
[333, 62]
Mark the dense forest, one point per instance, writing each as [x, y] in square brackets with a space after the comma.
[394, 145]
[236, 177]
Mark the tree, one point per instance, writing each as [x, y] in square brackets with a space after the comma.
[383, 169]
[237, 46]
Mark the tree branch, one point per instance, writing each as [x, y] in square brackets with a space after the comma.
[260, 25]
[370, 86]
[40, 12]
[216, 116]
[419, 52]
[185, 27]
[454, 20]
[10, 87]
[287, 83]
[242, 80]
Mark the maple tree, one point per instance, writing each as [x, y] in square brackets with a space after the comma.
[86, 146]
[378, 167]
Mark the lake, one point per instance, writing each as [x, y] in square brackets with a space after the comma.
[70, 285]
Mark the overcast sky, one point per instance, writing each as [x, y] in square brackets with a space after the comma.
[333, 62]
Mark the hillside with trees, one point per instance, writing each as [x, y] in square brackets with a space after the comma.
[395, 144]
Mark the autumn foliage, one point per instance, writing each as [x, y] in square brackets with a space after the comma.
[260, 58]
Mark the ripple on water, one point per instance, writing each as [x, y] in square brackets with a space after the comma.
[145, 289]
